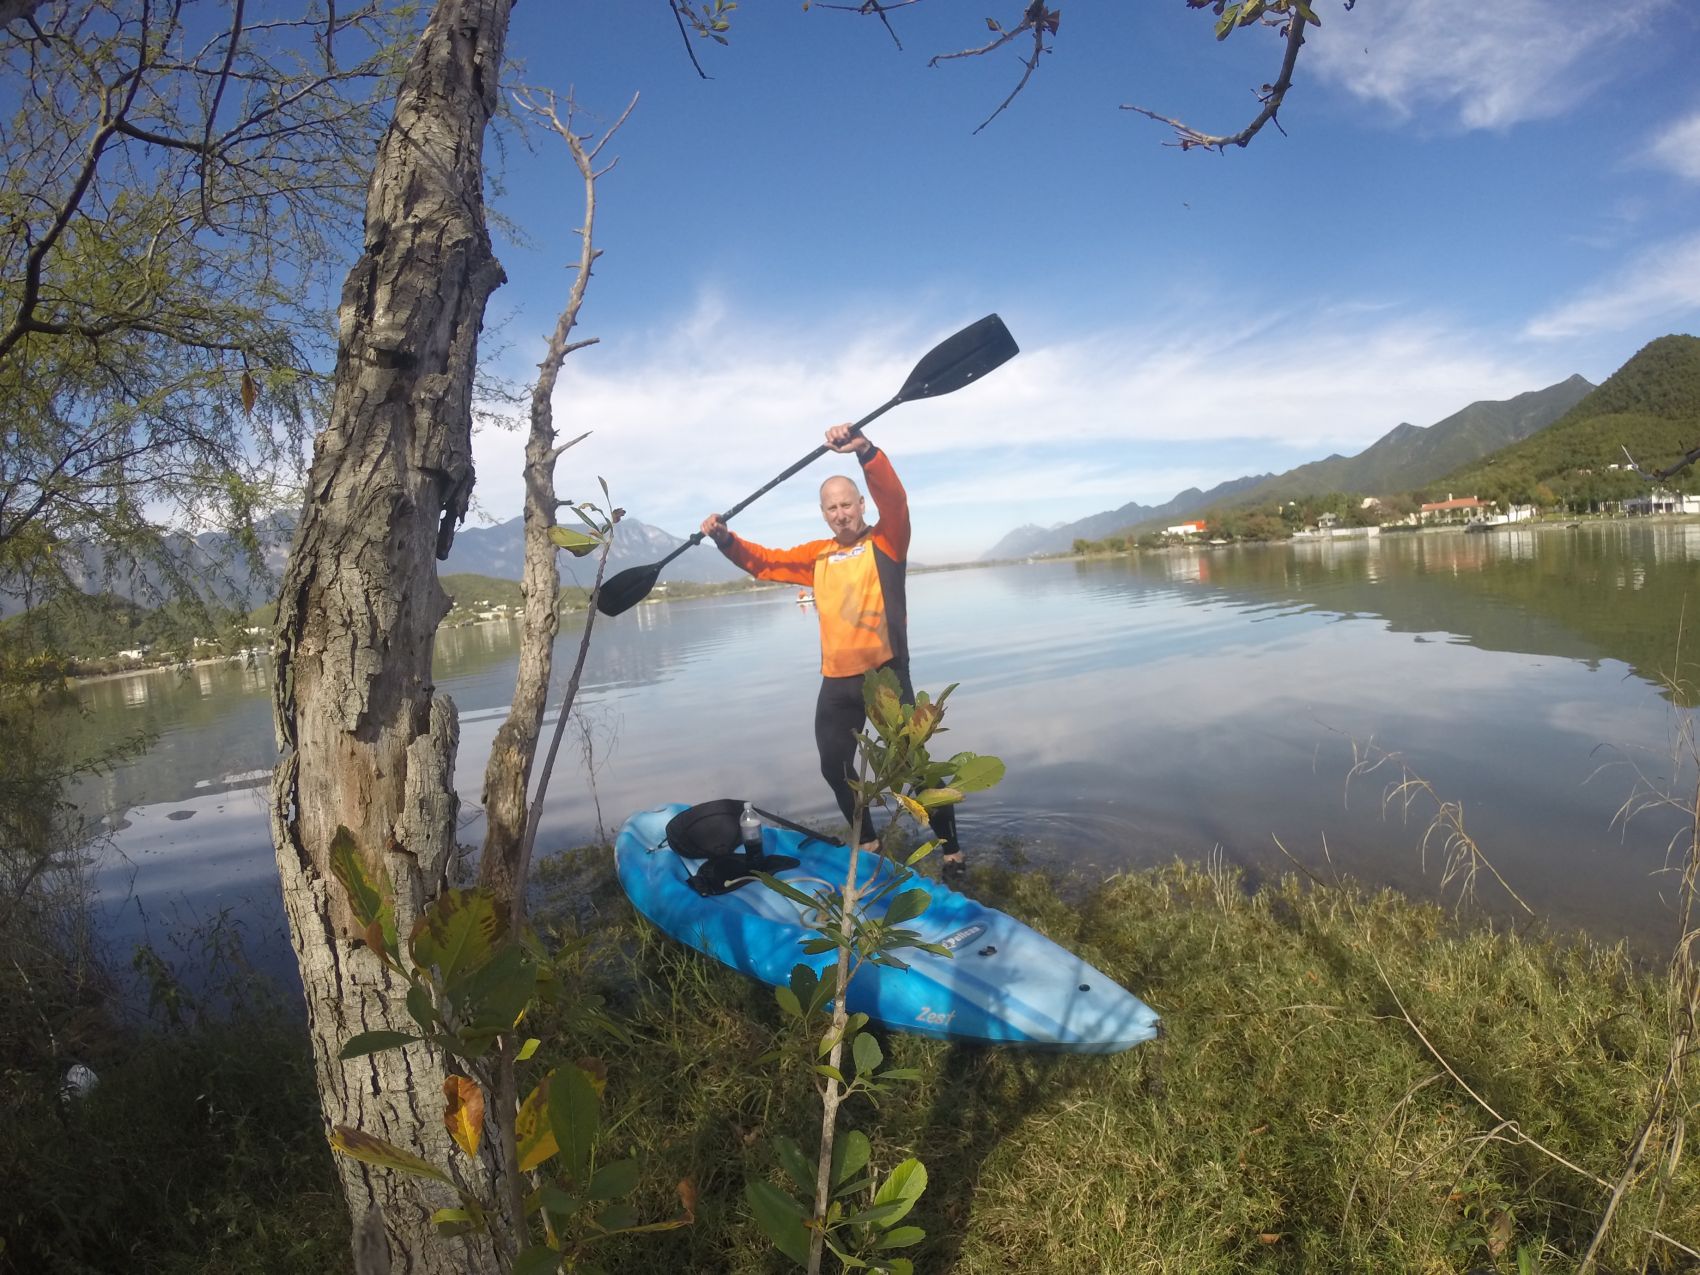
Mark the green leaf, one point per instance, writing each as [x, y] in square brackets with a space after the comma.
[867, 1053]
[899, 1266]
[879, 1215]
[814, 947]
[492, 997]
[781, 1219]
[374, 1041]
[795, 1163]
[537, 1260]
[972, 772]
[901, 1237]
[611, 1181]
[804, 983]
[452, 1222]
[900, 1073]
[367, 894]
[788, 1001]
[574, 1115]
[907, 906]
[370, 1150]
[904, 1186]
[459, 932]
[576, 543]
[789, 891]
[370, 895]
[831, 1073]
[884, 701]
[557, 1203]
[420, 1009]
[850, 1154]
[619, 1216]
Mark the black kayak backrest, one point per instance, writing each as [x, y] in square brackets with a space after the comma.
[706, 829]
[709, 831]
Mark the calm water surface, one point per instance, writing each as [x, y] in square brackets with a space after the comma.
[1147, 707]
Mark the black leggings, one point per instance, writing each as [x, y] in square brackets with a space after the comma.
[839, 714]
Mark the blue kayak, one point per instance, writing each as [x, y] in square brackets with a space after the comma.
[1004, 984]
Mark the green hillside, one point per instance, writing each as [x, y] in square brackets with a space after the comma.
[1407, 457]
[1651, 405]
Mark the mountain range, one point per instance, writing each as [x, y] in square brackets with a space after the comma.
[499, 551]
[209, 559]
[1406, 457]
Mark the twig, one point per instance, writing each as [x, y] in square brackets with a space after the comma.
[1270, 95]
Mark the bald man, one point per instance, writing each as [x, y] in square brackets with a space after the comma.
[858, 579]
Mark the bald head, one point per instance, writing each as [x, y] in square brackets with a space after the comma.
[842, 506]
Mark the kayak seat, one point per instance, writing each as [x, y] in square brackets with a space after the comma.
[708, 831]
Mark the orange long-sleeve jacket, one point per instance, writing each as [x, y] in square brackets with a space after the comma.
[860, 594]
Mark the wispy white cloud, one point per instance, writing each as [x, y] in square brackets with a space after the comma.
[1678, 148]
[699, 413]
[1660, 284]
[1478, 65]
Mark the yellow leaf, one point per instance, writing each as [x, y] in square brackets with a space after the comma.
[916, 810]
[533, 1136]
[463, 1112]
[597, 1070]
[250, 393]
[372, 1150]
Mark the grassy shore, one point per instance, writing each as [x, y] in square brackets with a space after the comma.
[1309, 1108]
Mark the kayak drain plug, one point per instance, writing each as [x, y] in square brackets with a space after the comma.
[1086, 987]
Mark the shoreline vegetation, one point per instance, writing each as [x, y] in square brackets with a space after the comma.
[483, 599]
[1349, 1080]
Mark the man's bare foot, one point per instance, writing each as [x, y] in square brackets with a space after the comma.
[954, 866]
[871, 847]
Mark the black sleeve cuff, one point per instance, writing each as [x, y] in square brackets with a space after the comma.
[864, 457]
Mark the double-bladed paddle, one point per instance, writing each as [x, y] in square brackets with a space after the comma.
[947, 367]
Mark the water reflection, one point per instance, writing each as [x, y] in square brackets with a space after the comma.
[1147, 706]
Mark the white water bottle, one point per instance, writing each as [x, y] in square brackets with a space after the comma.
[749, 831]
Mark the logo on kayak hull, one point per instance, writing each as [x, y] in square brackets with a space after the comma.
[965, 935]
[932, 1018]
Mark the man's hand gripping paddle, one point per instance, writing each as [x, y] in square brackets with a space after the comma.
[947, 367]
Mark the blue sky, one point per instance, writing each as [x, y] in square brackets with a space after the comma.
[1470, 200]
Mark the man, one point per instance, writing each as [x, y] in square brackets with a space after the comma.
[858, 579]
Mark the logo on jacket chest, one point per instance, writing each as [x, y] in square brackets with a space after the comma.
[845, 555]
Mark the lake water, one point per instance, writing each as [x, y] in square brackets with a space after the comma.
[1160, 705]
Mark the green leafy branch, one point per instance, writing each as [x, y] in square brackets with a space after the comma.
[472, 981]
[855, 1213]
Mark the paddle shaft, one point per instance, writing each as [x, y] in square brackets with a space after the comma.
[696, 538]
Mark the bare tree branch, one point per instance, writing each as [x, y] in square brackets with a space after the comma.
[235, 38]
[1270, 95]
[510, 828]
[12, 10]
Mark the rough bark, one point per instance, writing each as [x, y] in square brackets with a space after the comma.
[507, 775]
[365, 742]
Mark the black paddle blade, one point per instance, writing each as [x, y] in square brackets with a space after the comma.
[959, 359]
[624, 591]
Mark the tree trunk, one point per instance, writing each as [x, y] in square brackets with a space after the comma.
[507, 775]
[365, 742]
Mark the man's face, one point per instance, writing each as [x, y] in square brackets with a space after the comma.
[842, 507]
